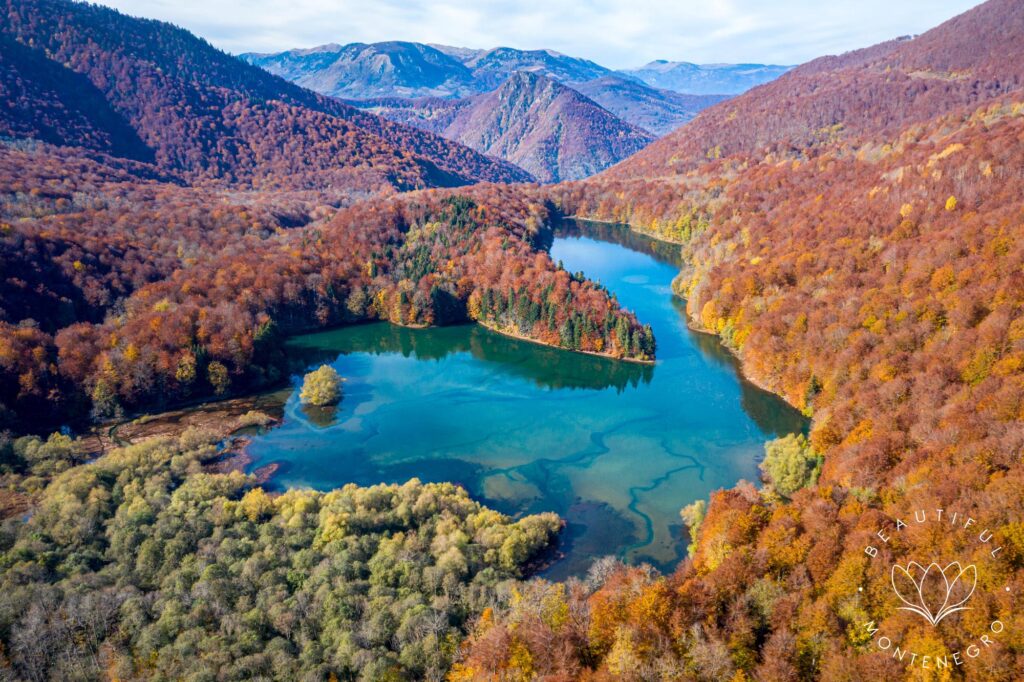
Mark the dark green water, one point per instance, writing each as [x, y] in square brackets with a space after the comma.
[614, 448]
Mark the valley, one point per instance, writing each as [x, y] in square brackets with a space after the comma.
[555, 116]
[526, 429]
[647, 442]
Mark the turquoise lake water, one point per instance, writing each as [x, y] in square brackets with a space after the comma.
[615, 448]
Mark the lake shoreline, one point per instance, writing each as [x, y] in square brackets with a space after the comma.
[489, 414]
[629, 226]
[744, 374]
[521, 337]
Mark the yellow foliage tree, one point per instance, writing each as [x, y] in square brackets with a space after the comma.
[321, 387]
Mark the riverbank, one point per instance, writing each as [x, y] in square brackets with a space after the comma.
[740, 369]
[614, 448]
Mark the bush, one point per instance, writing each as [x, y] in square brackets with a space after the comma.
[253, 418]
[321, 387]
[790, 463]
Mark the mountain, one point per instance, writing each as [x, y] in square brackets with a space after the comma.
[494, 67]
[852, 232]
[434, 114]
[656, 111]
[361, 71]
[85, 75]
[705, 79]
[377, 76]
[878, 90]
[415, 70]
[542, 126]
[463, 54]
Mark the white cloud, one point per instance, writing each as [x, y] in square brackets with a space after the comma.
[616, 33]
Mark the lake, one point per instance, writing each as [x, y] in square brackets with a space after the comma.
[615, 448]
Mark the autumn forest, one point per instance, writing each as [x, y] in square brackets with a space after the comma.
[172, 216]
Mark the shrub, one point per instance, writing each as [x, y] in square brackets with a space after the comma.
[321, 387]
[253, 418]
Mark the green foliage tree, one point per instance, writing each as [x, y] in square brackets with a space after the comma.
[45, 457]
[321, 387]
[790, 463]
[143, 565]
[693, 516]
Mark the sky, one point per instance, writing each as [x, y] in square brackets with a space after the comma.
[614, 33]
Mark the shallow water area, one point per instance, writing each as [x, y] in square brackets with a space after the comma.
[615, 448]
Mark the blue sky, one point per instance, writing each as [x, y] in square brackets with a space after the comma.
[616, 33]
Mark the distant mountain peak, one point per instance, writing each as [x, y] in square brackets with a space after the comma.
[545, 127]
[370, 70]
[406, 69]
[705, 79]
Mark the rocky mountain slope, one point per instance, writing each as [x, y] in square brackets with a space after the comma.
[491, 68]
[550, 130]
[415, 70]
[656, 111]
[362, 71]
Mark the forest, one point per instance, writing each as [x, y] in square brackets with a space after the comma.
[875, 283]
[86, 76]
[199, 304]
[143, 564]
[168, 216]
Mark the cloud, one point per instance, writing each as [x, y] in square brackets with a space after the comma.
[616, 33]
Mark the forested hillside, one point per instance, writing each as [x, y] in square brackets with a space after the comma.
[548, 129]
[883, 89]
[873, 278]
[168, 215]
[146, 89]
[163, 224]
[104, 319]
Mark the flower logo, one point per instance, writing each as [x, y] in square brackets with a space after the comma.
[934, 592]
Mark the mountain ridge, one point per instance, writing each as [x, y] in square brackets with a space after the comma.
[341, 70]
[705, 79]
[207, 116]
[869, 91]
[654, 110]
[545, 127]
[551, 130]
